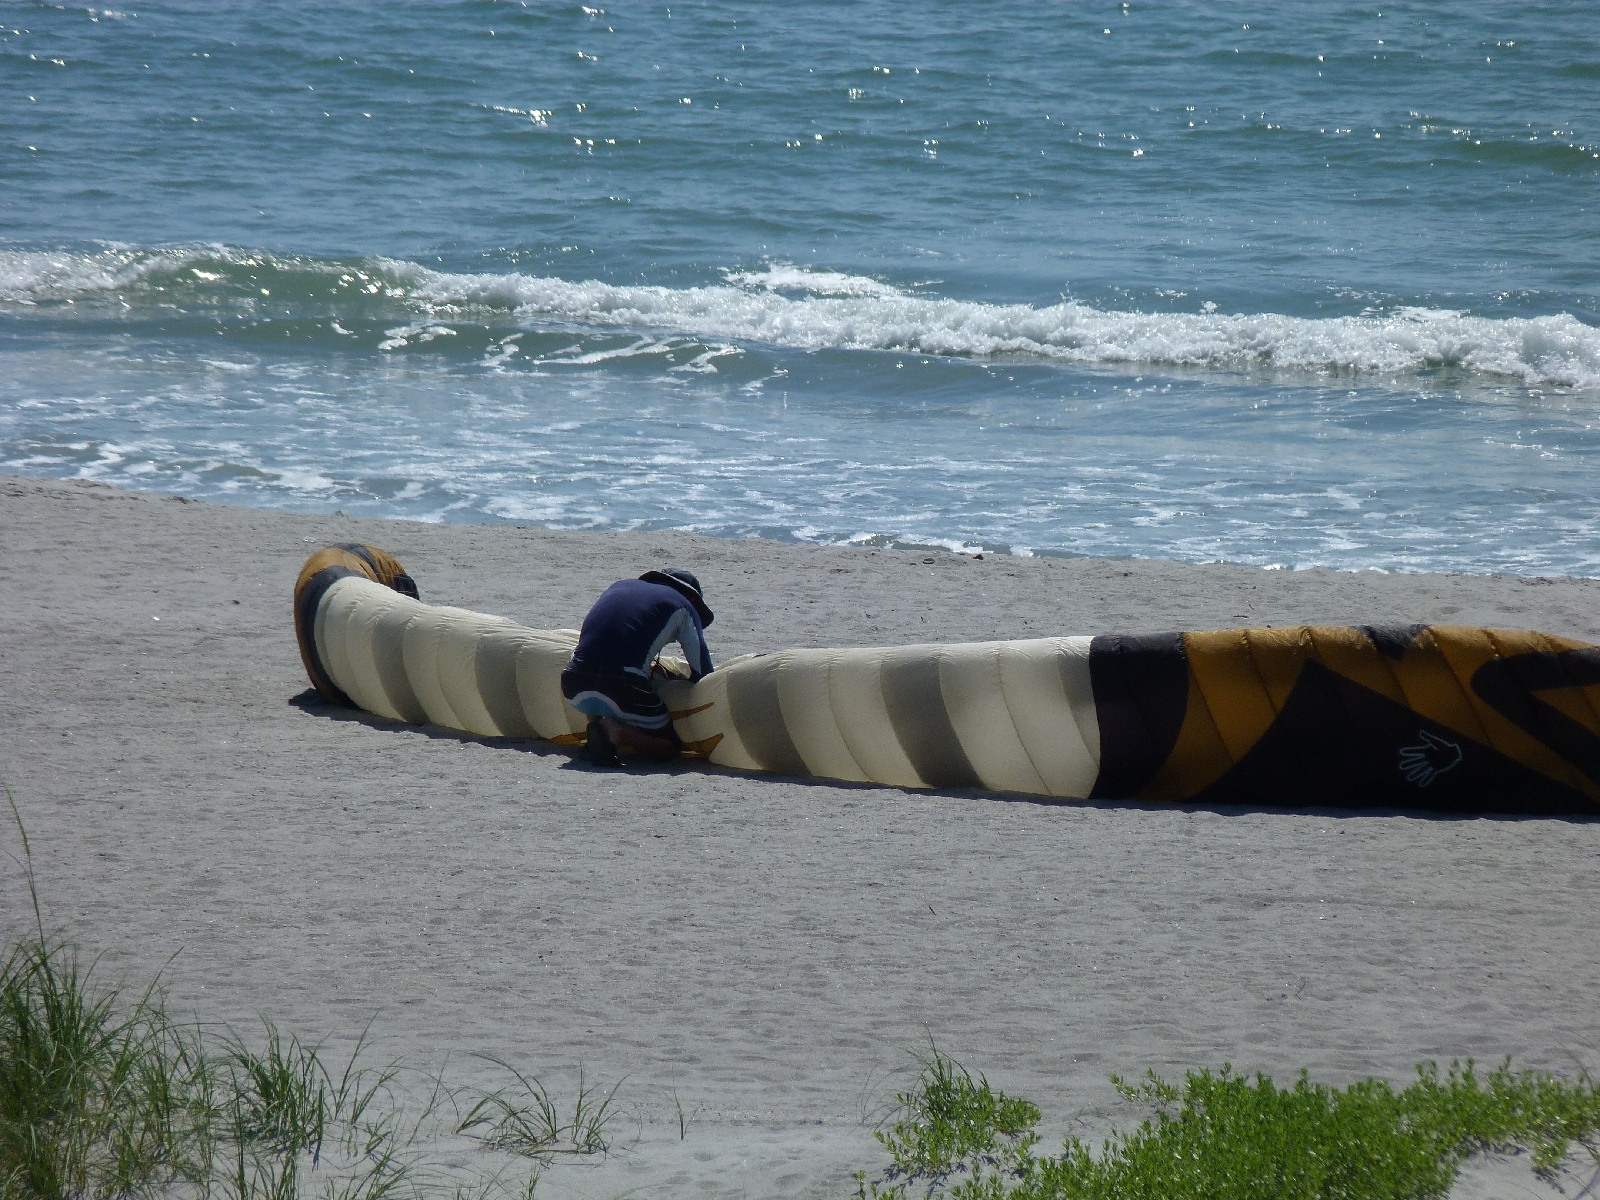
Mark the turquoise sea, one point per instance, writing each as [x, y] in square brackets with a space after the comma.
[1278, 283]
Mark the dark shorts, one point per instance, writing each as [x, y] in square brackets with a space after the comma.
[627, 697]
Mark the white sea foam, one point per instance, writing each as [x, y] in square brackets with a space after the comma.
[793, 307]
[418, 333]
[28, 277]
[1558, 350]
[787, 277]
[37, 276]
[643, 347]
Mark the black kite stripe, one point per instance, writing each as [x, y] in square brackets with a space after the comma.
[758, 718]
[401, 582]
[1511, 685]
[305, 627]
[389, 655]
[496, 669]
[915, 702]
[364, 553]
[1393, 640]
[1141, 692]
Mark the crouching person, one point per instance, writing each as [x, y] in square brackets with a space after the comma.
[608, 677]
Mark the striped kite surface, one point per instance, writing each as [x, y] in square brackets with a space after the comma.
[1424, 716]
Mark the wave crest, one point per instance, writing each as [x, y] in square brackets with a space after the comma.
[792, 307]
[1558, 350]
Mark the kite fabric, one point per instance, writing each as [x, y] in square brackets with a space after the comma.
[1425, 716]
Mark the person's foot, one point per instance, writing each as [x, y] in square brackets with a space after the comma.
[598, 750]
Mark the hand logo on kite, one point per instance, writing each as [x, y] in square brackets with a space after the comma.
[1432, 757]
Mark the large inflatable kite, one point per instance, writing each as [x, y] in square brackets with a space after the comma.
[1422, 716]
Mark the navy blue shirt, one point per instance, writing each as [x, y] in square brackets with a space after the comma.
[631, 623]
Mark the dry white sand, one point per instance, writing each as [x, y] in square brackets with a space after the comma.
[769, 948]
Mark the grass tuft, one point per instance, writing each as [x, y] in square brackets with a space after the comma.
[1222, 1136]
[94, 1101]
[525, 1120]
[952, 1122]
[103, 1097]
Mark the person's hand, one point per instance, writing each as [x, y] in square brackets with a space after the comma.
[671, 669]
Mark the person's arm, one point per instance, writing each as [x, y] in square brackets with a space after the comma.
[684, 628]
[692, 638]
[705, 651]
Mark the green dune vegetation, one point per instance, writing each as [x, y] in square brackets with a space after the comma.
[1222, 1136]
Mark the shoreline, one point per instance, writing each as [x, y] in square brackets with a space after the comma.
[874, 542]
[767, 948]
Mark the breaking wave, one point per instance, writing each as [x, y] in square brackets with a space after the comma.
[793, 307]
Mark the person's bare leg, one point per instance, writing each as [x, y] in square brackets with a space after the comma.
[653, 746]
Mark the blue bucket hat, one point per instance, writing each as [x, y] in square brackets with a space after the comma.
[684, 582]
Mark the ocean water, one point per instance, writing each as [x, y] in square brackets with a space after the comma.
[1276, 283]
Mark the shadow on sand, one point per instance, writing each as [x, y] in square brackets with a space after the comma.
[312, 704]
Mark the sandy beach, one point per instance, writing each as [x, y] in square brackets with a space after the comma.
[766, 950]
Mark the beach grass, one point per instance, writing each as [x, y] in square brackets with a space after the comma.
[104, 1096]
[97, 1097]
[525, 1119]
[1225, 1136]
